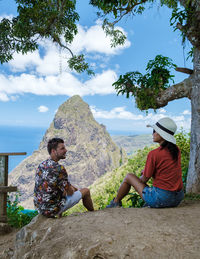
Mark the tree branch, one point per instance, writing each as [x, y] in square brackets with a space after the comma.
[126, 10]
[65, 47]
[174, 92]
[184, 70]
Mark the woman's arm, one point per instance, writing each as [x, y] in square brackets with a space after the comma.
[144, 179]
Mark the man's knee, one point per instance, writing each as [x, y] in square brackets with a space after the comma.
[85, 192]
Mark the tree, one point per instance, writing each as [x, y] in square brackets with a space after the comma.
[153, 90]
[40, 19]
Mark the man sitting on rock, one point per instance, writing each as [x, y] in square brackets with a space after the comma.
[53, 193]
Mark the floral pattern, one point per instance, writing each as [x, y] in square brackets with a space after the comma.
[51, 182]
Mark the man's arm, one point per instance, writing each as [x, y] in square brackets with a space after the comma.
[64, 183]
[69, 190]
[75, 189]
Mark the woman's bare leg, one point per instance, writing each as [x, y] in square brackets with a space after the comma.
[130, 180]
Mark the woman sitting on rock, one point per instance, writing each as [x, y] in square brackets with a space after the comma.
[163, 165]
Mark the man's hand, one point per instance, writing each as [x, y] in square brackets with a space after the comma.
[70, 190]
[75, 189]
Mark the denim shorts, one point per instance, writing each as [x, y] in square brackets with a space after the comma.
[71, 200]
[155, 197]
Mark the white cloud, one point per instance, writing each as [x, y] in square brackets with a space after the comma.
[66, 84]
[92, 40]
[9, 17]
[139, 121]
[22, 62]
[43, 108]
[115, 113]
[39, 72]
[48, 64]
[3, 97]
[162, 110]
[186, 112]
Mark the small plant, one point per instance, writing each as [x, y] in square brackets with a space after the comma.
[192, 196]
[17, 217]
[136, 200]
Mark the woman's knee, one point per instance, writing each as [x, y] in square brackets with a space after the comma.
[128, 177]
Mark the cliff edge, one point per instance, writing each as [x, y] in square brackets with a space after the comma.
[110, 234]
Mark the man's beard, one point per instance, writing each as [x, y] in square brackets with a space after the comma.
[60, 156]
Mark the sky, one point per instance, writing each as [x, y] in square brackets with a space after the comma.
[33, 86]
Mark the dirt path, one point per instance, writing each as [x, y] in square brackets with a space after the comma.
[111, 233]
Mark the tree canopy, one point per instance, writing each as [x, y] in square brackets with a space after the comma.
[40, 19]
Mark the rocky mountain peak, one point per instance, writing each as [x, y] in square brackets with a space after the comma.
[74, 109]
[91, 151]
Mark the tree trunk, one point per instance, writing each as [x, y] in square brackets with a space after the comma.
[193, 178]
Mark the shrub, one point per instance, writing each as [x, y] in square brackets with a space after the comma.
[16, 217]
[183, 142]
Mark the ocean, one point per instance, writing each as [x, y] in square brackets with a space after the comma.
[19, 139]
[27, 139]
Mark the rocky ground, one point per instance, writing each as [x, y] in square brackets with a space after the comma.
[110, 233]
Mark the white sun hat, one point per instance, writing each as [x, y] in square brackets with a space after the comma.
[166, 128]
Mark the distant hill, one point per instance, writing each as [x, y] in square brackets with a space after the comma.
[133, 143]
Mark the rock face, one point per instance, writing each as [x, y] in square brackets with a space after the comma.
[117, 233]
[91, 151]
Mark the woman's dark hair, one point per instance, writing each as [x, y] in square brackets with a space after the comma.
[53, 143]
[173, 149]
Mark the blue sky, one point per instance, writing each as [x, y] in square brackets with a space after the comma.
[33, 86]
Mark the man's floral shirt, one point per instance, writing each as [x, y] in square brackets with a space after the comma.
[51, 181]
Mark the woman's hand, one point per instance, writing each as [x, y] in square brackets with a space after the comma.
[144, 179]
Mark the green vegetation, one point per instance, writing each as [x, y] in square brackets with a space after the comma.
[16, 217]
[192, 196]
[105, 188]
[38, 20]
[146, 87]
[183, 142]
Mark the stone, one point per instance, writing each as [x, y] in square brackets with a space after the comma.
[5, 228]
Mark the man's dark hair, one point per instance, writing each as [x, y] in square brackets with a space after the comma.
[53, 143]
